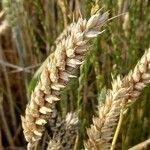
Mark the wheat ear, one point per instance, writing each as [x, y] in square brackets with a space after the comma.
[65, 135]
[69, 54]
[123, 92]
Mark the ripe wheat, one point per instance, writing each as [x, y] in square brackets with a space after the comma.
[69, 54]
[124, 92]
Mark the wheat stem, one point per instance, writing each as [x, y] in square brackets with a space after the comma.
[4, 28]
[117, 132]
[5, 124]
[141, 146]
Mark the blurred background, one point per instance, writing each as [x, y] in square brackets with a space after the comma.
[28, 30]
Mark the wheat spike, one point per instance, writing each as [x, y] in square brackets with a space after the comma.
[124, 92]
[69, 54]
[66, 133]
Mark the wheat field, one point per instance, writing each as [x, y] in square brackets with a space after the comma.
[74, 74]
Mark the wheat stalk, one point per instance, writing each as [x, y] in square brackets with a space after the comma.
[141, 146]
[69, 54]
[124, 92]
[64, 136]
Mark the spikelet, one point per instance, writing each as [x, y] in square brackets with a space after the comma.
[66, 133]
[124, 92]
[69, 54]
[52, 145]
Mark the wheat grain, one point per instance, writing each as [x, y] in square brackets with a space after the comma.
[69, 54]
[123, 93]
